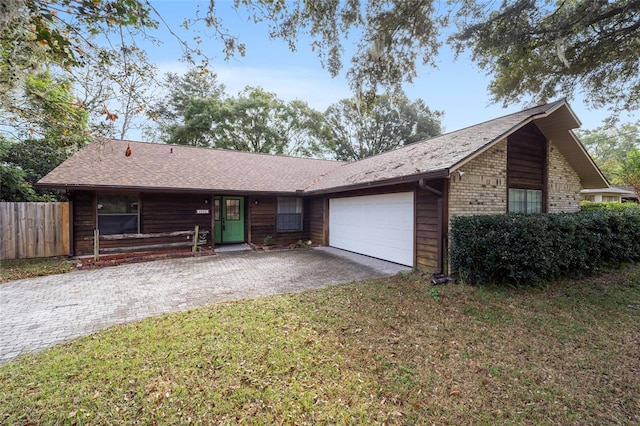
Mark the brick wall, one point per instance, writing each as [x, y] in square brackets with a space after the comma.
[564, 184]
[483, 187]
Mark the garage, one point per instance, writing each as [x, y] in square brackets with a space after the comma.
[379, 226]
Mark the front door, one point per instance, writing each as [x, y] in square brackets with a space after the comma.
[228, 215]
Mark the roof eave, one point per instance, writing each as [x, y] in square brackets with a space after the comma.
[435, 174]
[148, 189]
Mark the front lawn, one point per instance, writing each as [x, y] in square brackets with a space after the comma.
[386, 351]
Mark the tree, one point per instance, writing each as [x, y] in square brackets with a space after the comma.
[609, 147]
[362, 130]
[254, 121]
[53, 111]
[116, 92]
[90, 42]
[57, 126]
[61, 34]
[24, 163]
[534, 48]
[307, 132]
[546, 48]
[180, 90]
[13, 186]
[34, 158]
[395, 35]
[630, 169]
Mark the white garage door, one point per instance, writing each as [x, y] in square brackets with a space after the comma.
[375, 225]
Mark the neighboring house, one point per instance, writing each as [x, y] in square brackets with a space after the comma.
[395, 206]
[608, 195]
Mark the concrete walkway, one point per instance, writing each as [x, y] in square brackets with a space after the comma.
[41, 312]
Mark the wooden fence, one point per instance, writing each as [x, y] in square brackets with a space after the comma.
[34, 230]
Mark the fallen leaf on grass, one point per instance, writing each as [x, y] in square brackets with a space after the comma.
[454, 392]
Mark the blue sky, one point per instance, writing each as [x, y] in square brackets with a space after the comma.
[456, 87]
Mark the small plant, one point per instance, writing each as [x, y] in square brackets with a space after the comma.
[299, 244]
[268, 240]
[405, 275]
[435, 294]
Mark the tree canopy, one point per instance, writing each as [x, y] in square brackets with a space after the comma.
[630, 170]
[198, 112]
[535, 49]
[543, 49]
[384, 124]
[610, 146]
[24, 163]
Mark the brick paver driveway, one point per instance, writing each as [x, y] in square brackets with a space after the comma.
[41, 312]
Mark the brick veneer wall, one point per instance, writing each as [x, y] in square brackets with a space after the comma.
[563, 183]
[483, 187]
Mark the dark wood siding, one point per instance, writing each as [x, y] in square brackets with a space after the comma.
[262, 221]
[526, 158]
[84, 222]
[174, 212]
[317, 216]
[428, 228]
[159, 213]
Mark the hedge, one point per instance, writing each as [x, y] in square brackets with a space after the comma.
[527, 249]
[590, 205]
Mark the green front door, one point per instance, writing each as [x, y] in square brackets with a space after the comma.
[228, 219]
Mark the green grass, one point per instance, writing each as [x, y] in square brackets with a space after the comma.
[384, 351]
[17, 269]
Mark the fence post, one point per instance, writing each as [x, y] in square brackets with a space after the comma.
[195, 239]
[96, 244]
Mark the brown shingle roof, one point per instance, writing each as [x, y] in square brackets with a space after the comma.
[440, 153]
[103, 164]
[169, 167]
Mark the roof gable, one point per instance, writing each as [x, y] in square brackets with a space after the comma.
[443, 154]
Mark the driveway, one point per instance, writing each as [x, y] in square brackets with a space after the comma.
[41, 312]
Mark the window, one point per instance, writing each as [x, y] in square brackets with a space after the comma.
[216, 209]
[232, 210]
[525, 200]
[289, 214]
[117, 214]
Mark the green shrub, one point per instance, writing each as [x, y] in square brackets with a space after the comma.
[526, 249]
[590, 206]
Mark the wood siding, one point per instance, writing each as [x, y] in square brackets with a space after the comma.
[84, 222]
[429, 229]
[174, 212]
[159, 213]
[262, 221]
[318, 213]
[527, 158]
